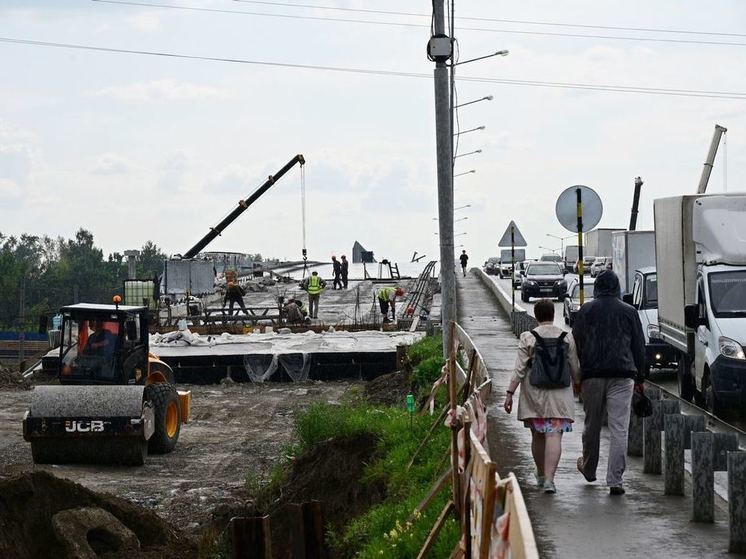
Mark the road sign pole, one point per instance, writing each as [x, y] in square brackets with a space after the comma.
[512, 258]
[579, 198]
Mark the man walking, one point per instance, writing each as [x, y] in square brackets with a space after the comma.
[345, 271]
[464, 258]
[337, 269]
[313, 285]
[611, 348]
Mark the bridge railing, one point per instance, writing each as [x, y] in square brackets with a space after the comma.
[491, 511]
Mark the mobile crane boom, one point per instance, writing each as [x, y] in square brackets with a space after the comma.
[242, 205]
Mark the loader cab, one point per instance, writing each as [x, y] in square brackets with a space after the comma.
[103, 344]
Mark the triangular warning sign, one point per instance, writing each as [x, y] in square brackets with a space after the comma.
[517, 239]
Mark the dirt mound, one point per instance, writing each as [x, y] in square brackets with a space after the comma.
[331, 472]
[389, 390]
[29, 507]
[13, 380]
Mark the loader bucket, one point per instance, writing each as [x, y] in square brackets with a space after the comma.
[88, 424]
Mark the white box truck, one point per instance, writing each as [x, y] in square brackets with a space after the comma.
[598, 242]
[701, 272]
[630, 251]
[571, 256]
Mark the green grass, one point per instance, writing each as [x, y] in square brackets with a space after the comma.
[390, 529]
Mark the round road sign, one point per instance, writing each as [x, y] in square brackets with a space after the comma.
[567, 208]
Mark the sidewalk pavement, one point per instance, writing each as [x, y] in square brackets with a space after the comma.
[582, 520]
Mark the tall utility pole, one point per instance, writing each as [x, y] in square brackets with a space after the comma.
[440, 49]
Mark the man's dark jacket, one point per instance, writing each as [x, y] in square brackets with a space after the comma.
[608, 334]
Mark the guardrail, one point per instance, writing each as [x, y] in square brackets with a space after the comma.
[520, 320]
[491, 511]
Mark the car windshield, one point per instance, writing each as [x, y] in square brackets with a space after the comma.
[651, 292]
[551, 258]
[543, 270]
[728, 293]
[89, 347]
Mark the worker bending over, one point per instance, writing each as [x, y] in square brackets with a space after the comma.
[387, 299]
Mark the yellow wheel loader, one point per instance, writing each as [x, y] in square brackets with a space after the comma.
[116, 401]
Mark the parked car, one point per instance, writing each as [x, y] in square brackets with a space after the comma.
[587, 264]
[544, 279]
[572, 301]
[600, 264]
[492, 266]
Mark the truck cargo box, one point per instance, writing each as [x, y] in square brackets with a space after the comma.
[630, 251]
[692, 230]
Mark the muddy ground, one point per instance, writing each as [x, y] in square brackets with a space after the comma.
[235, 429]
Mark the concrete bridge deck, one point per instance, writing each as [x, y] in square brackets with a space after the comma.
[582, 520]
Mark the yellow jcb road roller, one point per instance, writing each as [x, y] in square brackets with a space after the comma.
[116, 401]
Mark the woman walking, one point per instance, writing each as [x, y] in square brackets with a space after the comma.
[546, 376]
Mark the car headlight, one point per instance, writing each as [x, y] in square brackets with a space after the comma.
[574, 307]
[730, 348]
[561, 282]
[530, 282]
[654, 332]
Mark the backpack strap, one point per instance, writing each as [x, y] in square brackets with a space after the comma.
[562, 337]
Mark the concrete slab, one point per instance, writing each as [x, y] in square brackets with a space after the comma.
[581, 520]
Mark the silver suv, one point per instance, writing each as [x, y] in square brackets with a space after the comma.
[543, 279]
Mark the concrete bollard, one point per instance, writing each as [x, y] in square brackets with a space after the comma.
[674, 426]
[651, 435]
[703, 477]
[724, 443]
[694, 423]
[669, 407]
[737, 501]
[634, 436]
[652, 392]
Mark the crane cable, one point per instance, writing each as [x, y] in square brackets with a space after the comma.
[303, 215]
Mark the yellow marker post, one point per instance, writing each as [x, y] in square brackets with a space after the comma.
[579, 198]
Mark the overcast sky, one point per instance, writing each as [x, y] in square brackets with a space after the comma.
[137, 147]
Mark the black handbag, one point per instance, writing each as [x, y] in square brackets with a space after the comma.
[641, 405]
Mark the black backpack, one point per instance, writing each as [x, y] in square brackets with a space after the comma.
[550, 367]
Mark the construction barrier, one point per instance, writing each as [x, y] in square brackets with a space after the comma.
[491, 511]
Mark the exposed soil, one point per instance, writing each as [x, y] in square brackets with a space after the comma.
[29, 502]
[12, 380]
[235, 430]
[389, 390]
[332, 473]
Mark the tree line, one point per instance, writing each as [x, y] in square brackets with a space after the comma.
[38, 275]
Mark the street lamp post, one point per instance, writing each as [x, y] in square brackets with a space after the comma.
[561, 240]
[464, 173]
[470, 130]
[470, 153]
[485, 98]
[552, 250]
[462, 207]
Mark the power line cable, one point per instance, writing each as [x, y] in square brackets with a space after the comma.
[373, 72]
[497, 20]
[418, 25]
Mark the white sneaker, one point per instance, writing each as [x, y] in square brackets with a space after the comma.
[549, 487]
